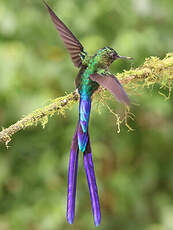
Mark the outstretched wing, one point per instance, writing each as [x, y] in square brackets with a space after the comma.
[111, 83]
[70, 41]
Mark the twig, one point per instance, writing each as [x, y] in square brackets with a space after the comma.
[153, 71]
[40, 115]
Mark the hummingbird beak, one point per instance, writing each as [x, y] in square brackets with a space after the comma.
[124, 57]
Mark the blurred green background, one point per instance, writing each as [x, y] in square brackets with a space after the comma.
[134, 170]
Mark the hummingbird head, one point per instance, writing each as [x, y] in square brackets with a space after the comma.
[108, 55]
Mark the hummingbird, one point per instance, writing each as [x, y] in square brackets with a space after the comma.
[93, 72]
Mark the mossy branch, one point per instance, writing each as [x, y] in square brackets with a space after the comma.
[154, 70]
[40, 115]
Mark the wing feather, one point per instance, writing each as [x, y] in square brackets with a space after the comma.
[72, 44]
[111, 83]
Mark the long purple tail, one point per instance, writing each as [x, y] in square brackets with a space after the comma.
[81, 142]
[72, 178]
[89, 169]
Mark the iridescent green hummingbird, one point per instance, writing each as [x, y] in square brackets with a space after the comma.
[93, 73]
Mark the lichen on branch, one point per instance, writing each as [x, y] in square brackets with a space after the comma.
[154, 70]
[59, 105]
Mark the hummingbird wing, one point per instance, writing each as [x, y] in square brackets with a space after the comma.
[111, 83]
[72, 44]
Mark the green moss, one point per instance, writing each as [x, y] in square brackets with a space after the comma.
[154, 71]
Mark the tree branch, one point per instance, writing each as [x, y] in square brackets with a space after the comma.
[40, 115]
[153, 71]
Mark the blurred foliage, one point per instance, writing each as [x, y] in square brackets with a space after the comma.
[133, 169]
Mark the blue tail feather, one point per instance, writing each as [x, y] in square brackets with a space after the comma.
[84, 114]
[72, 178]
[89, 169]
[81, 142]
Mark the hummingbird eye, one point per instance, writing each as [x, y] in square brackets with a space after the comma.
[113, 55]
